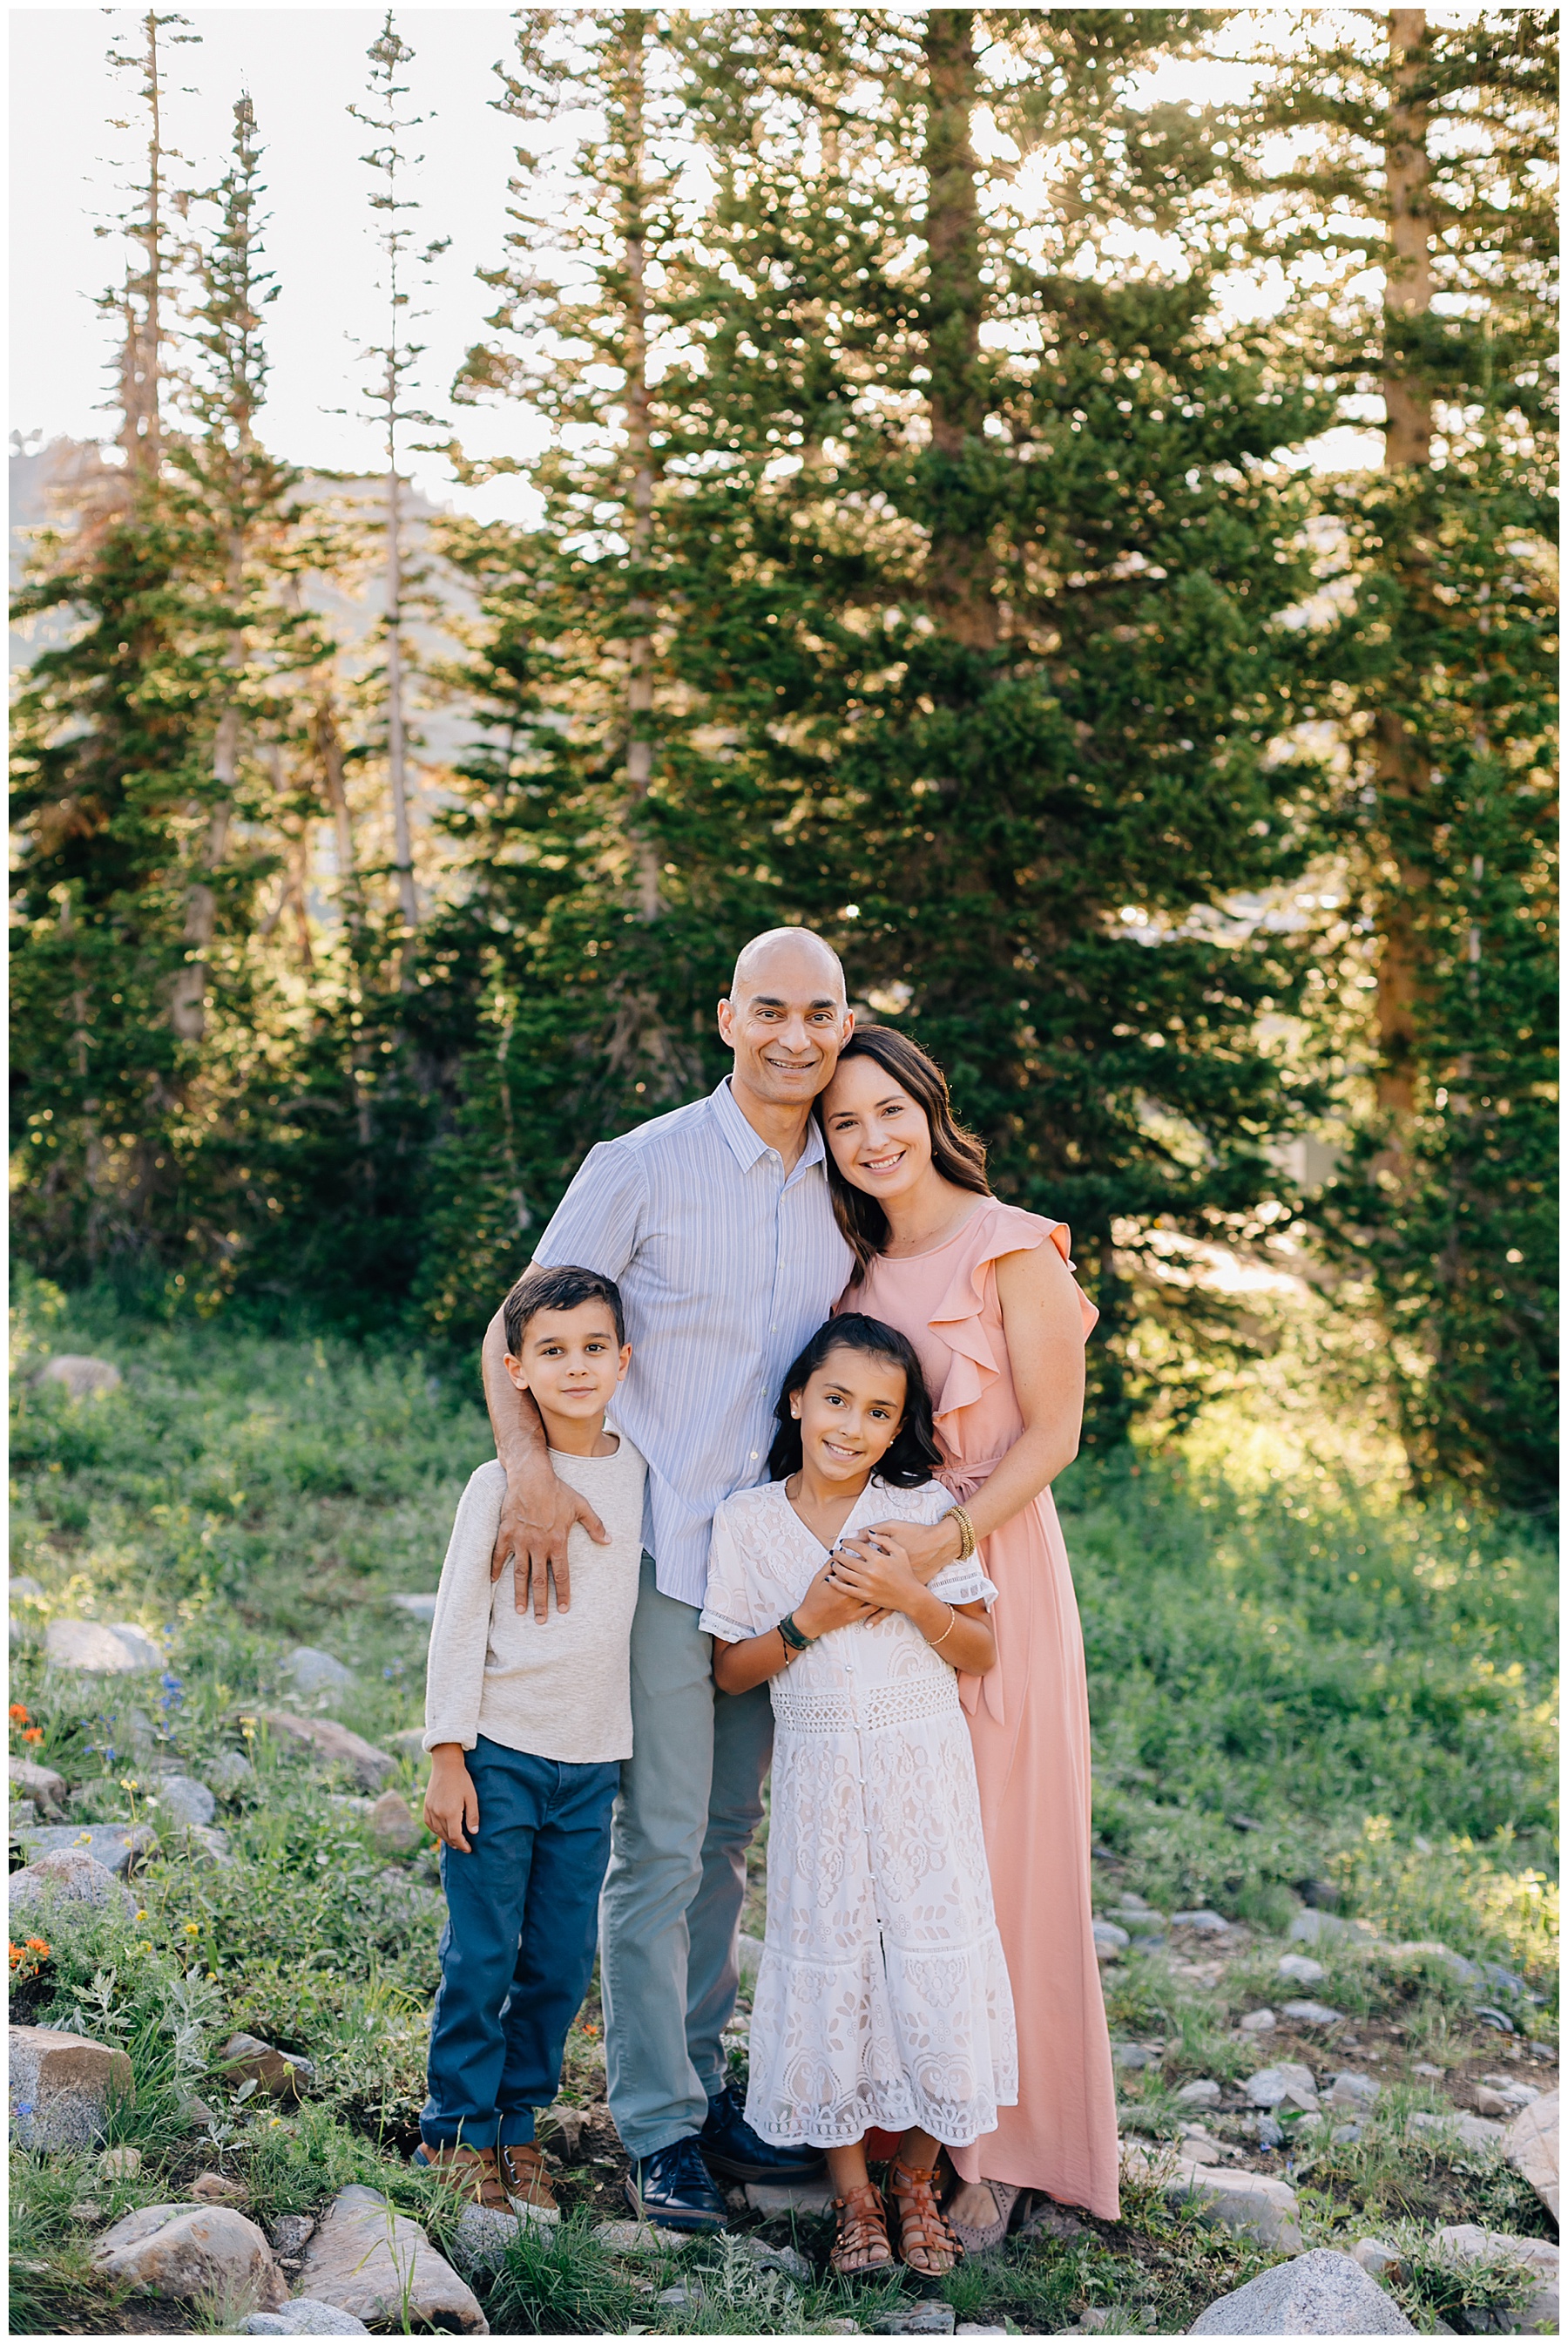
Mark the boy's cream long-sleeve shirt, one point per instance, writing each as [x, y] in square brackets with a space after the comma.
[562, 1690]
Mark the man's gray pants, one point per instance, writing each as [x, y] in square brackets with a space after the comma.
[690, 1798]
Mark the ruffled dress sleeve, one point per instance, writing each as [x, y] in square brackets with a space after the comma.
[729, 1608]
[959, 1318]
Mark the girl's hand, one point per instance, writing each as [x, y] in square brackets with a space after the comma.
[876, 1571]
[451, 1802]
[826, 1604]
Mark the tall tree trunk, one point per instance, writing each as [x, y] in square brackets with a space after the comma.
[396, 735]
[187, 1000]
[961, 565]
[1402, 772]
[141, 434]
[640, 458]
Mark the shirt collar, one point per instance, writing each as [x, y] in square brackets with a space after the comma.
[747, 1143]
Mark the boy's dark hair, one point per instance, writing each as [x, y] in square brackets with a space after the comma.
[562, 1289]
[915, 1455]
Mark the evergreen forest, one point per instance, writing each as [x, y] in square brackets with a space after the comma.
[1087, 556]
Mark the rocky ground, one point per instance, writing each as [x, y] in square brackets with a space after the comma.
[1336, 2051]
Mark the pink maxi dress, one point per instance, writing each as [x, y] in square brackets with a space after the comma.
[1029, 1719]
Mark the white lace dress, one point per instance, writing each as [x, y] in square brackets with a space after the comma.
[883, 1995]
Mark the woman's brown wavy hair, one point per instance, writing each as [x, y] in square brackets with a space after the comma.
[957, 1153]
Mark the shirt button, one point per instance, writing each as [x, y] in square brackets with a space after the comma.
[755, 1454]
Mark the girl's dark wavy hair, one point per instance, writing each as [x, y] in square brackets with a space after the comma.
[914, 1456]
[957, 1153]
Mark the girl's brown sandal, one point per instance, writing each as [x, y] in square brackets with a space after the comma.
[925, 2242]
[863, 2243]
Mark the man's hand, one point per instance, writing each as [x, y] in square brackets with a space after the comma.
[929, 1547]
[537, 1515]
[451, 1802]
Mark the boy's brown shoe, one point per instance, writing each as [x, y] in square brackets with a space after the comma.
[528, 2184]
[474, 2171]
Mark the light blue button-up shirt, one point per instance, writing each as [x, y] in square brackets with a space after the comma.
[726, 1264]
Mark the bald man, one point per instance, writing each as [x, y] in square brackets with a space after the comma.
[716, 1224]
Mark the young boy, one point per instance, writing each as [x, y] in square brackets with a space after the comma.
[527, 1722]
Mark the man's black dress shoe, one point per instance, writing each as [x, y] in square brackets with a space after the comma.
[730, 2147]
[674, 2190]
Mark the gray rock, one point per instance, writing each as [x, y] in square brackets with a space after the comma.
[789, 2196]
[303, 2317]
[207, 1844]
[1258, 2022]
[24, 1816]
[313, 1671]
[1474, 2132]
[40, 1784]
[104, 1649]
[679, 2297]
[180, 1799]
[229, 1773]
[783, 2260]
[1287, 2083]
[1204, 2093]
[411, 1740]
[1134, 2055]
[283, 2074]
[640, 2239]
[333, 1744]
[289, 2234]
[1315, 1927]
[1490, 2016]
[1300, 1969]
[1465, 2242]
[1109, 1939]
[418, 1607]
[748, 1954]
[115, 1846]
[916, 2320]
[484, 2233]
[1317, 2294]
[69, 1876]
[368, 2261]
[64, 2087]
[82, 1376]
[1530, 2145]
[1375, 2256]
[1270, 2132]
[1207, 1924]
[392, 1823]
[1258, 2204]
[119, 2164]
[181, 2252]
[1313, 2013]
[1350, 2090]
[1343, 2134]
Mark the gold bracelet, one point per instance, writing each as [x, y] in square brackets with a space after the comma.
[966, 1532]
[947, 1631]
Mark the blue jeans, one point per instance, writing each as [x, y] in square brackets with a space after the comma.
[517, 1952]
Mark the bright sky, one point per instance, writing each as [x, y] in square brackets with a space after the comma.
[302, 67]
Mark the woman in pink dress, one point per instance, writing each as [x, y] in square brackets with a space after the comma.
[985, 1293]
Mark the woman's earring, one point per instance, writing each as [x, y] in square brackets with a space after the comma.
[796, 1414]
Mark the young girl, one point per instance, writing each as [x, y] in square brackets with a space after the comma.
[883, 1996]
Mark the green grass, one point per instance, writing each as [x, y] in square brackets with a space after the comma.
[1295, 1675]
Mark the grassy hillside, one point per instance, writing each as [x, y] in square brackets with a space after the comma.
[1293, 1682]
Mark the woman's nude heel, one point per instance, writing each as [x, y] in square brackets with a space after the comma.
[862, 2231]
[923, 2234]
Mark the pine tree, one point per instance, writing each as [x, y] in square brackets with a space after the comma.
[1423, 148]
[104, 732]
[1000, 564]
[614, 852]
